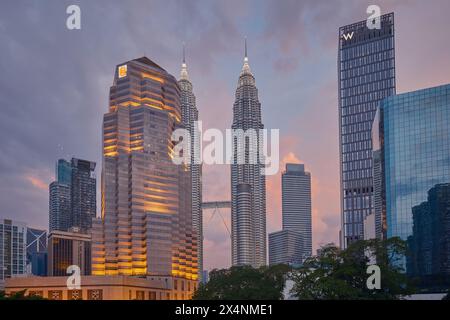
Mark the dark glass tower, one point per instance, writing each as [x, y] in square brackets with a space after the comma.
[73, 195]
[429, 243]
[412, 137]
[83, 193]
[366, 71]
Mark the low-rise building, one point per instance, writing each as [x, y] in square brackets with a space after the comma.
[105, 288]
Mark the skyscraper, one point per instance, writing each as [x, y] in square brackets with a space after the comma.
[296, 203]
[146, 222]
[293, 244]
[248, 184]
[412, 135]
[83, 194]
[60, 200]
[72, 200]
[13, 252]
[189, 115]
[366, 71]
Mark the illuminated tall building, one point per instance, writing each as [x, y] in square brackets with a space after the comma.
[146, 222]
[189, 114]
[248, 184]
[366, 71]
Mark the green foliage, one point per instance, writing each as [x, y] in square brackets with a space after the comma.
[336, 274]
[244, 283]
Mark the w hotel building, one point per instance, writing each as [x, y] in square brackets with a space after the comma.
[366, 70]
[145, 227]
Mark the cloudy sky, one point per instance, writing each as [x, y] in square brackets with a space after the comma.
[54, 85]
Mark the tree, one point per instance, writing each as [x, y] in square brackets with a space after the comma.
[244, 283]
[336, 274]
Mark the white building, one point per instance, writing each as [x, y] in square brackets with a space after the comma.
[13, 248]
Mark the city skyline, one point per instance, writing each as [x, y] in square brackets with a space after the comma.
[297, 63]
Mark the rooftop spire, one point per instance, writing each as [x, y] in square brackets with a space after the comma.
[245, 56]
[184, 73]
[246, 66]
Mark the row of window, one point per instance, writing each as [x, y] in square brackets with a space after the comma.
[368, 48]
[367, 87]
[357, 146]
[359, 174]
[365, 98]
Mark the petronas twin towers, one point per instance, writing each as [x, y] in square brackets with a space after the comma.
[151, 221]
[248, 185]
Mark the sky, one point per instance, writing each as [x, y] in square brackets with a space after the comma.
[54, 86]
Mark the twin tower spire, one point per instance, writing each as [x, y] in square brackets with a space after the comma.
[184, 75]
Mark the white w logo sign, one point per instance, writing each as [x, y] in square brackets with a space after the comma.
[348, 36]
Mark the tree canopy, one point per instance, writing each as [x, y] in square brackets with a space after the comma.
[342, 274]
[244, 283]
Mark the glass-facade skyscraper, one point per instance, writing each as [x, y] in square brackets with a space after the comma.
[296, 203]
[429, 243]
[146, 222]
[293, 244]
[414, 137]
[248, 183]
[189, 115]
[72, 201]
[366, 71]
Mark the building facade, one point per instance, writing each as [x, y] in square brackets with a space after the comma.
[429, 243]
[83, 194]
[72, 201]
[189, 116]
[60, 199]
[296, 203]
[37, 251]
[286, 247]
[414, 139]
[67, 248]
[248, 184]
[293, 244]
[105, 288]
[146, 222]
[366, 71]
[13, 252]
